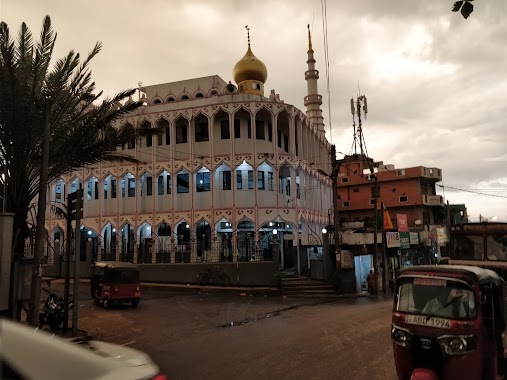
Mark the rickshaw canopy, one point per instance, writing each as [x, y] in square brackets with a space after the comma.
[480, 275]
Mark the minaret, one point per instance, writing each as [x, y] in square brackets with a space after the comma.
[313, 100]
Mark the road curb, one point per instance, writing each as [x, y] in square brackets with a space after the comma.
[245, 291]
[190, 287]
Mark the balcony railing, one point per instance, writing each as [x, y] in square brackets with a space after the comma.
[433, 200]
[432, 173]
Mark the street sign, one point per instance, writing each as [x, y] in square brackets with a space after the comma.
[75, 214]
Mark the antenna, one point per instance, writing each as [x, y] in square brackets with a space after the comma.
[358, 108]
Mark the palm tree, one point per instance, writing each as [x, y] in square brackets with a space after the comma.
[62, 98]
[81, 127]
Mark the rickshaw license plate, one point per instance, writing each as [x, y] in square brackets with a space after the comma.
[432, 322]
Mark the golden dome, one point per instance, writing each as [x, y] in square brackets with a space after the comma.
[250, 68]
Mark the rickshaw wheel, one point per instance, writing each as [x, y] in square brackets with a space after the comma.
[135, 303]
[105, 303]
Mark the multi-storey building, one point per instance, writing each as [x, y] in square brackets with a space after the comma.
[223, 169]
[409, 191]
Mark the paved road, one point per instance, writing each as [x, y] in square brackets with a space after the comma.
[190, 335]
[333, 341]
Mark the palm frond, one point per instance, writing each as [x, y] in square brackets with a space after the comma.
[82, 130]
[25, 45]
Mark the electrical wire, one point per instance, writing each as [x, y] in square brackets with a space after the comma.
[473, 192]
[326, 63]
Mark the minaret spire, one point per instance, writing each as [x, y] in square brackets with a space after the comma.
[313, 100]
[309, 39]
[248, 34]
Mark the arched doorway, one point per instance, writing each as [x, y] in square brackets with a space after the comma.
[58, 240]
[245, 241]
[183, 242]
[163, 241]
[224, 240]
[109, 243]
[203, 243]
[285, 234]
[89, 244]
[127, 243]
[144, 254]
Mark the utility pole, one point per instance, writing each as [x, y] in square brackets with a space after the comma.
[41, 221]
[67, 268]
[384, 253]
[334, 177]
[359, 108]
[375, 229]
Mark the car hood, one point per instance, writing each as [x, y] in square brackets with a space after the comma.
[38, 355]
[127, 355]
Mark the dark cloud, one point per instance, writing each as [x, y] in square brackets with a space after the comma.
[435, 83]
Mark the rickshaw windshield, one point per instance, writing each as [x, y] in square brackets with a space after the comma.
[436, 297]
[122, 276]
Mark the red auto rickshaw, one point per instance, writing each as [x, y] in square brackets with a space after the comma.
[448, 323]
[113, 282]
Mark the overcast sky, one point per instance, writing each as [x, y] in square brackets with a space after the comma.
[436, 83]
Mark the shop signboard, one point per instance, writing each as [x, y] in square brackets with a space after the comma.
[393, 239]
[441, 236]
[404, 240]
[402, 221]
[414, 238]
[347, 259]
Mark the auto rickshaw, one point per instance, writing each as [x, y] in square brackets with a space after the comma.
[114, 282]
[448, 323]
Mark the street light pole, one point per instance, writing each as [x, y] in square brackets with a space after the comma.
[77, 260]
[67, 271]
[41, 221]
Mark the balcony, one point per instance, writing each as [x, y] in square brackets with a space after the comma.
[432, 173]
[433, 200]
[313, 99]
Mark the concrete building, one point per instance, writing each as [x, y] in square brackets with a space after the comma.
[227, 167]
[409, 191]
[410, 198]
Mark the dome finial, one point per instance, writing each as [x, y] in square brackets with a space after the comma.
[309, 38]
[248, 34]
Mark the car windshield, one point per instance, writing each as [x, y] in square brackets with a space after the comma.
[436, 297]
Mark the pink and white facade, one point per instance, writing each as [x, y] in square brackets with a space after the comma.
[226, 163]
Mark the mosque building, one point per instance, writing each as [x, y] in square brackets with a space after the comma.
[226, 168]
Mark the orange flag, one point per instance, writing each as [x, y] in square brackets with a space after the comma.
[388, 224]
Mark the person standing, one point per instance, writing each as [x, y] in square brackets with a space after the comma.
[370, 281]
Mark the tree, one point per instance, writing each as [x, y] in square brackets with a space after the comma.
[466, 7]
[33, 96]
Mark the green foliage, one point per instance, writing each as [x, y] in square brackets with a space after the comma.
[32, 93]
[466, 7]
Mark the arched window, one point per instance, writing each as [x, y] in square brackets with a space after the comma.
[59, 191]
[128, 186]
[183, 182]
[203, 180]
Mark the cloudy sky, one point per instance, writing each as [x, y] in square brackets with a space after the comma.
[436, 83]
